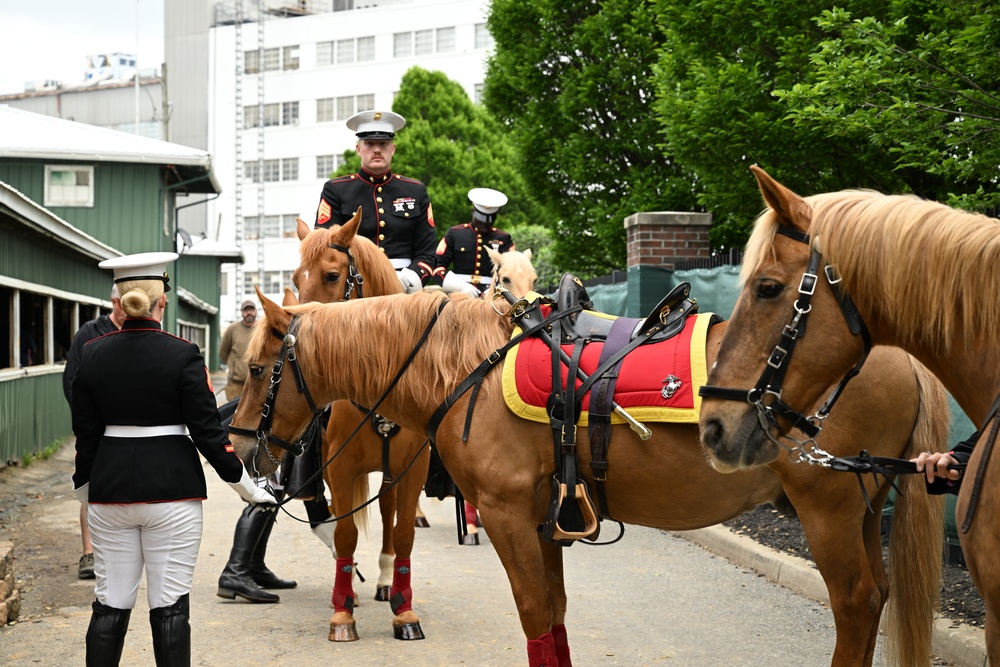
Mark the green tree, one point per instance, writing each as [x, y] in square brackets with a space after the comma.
[571, 82]
[923, 88]
[537, 239]
[719, 65]
[452, 146]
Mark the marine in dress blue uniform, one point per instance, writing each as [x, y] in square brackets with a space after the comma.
[143, 409]
[396, 211]
[464, 246]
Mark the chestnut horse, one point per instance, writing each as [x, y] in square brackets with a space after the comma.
[336, 264]
[354, 350]
[922, 276]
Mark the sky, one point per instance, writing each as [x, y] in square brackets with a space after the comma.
[51, 39]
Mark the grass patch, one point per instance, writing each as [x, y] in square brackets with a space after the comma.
[44, 454]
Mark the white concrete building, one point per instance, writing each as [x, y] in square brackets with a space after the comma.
[278, 93]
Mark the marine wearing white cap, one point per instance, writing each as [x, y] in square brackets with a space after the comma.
[464, 246]
[141, 266]
[396, 212]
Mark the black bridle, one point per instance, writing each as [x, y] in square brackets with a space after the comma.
[354, 277]
[766, 394]
[263, 431]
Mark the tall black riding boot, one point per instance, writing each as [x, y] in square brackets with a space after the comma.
[236, 578]
[106, 635]
[260, 573]
[172, 634]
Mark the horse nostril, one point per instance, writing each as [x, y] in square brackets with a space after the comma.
[711, 434]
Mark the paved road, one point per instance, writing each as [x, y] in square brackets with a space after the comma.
[651, 599]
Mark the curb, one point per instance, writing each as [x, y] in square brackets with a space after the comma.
[959, 645]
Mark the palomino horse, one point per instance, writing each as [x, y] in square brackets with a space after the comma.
[357, 351]
[922, 276]
[336, 265]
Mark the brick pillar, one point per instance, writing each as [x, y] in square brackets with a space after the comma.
[655, 242]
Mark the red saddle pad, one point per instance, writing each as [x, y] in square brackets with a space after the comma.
[658, 382]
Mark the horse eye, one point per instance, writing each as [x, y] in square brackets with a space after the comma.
[256, 372]
[332, 277]
[506, 280]
[769, 290]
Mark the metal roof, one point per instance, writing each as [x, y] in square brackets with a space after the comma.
[24, 134]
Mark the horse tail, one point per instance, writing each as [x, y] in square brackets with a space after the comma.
[359, 498]
[917, 539]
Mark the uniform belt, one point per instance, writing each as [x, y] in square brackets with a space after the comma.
[119, 431]
[401, 263]
[467, 277]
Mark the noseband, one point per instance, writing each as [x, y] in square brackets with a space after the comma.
[263, 431]
[766, 394]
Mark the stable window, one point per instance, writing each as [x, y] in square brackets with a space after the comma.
[69, 185]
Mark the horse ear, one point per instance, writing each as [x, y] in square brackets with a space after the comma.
[783, 201]
[349, 229]
[272, 312]
[289, 299]
[494, 256]
[527, 254]
[301, 228]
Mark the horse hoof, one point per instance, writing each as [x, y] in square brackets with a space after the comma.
[408, 631]
[345, 632]
[382, 594]
[421, 522]
[470, 540]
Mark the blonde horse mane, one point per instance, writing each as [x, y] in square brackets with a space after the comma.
[927, 268]
[380, 278]
[392, 326]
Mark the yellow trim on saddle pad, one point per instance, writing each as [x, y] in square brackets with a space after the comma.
[699, 375]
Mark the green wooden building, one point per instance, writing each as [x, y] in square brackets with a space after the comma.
[72, 195]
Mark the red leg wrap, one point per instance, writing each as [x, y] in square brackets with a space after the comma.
[343, 591]
[562, 645]
[401, 595]
[542, 651]
[470, 513]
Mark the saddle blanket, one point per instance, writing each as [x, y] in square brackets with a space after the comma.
[657, 382]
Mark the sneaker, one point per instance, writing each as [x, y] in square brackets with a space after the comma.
[87, 566]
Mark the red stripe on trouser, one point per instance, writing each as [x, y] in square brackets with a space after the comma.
[562, 645]
[401, 584]
[542, 651]
[342, 585]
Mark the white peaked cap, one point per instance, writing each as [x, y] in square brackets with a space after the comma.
[376, 124]
[487, 200]
[142, 266]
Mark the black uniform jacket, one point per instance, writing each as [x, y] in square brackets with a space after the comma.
[464, 249]
[396, 215]
[88, 331]
[142, 376]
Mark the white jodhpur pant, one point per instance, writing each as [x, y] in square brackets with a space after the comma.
[162, 538]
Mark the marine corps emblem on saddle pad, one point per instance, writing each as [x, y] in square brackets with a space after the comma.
[657, 382]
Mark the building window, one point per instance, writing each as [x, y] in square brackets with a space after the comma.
[345, 107]
[423, 42]
[366, 49]
[290, 57]
[251, 62]
[478, 93]
[366, 102]
[402, 45]
[325, 110]
[69, 185]
[345, 51]
[272, 60]
[274, 170]
[325, 165]
[446, 40]
[284, 113]
[484, 40]
[275, 226]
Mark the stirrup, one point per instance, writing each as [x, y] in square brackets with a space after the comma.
[580, 512]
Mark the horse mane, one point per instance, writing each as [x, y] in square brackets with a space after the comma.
[380, 278]
[392, 326]
[926, 268]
